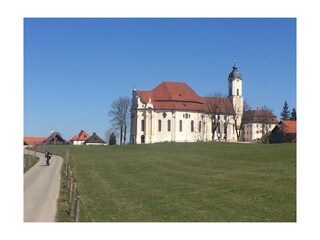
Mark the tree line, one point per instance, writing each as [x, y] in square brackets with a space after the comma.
[286, 114]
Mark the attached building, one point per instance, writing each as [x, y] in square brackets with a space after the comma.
[257, 123]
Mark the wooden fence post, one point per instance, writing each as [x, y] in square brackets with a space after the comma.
[78, 209]
[67, 167]
[72, 190]
[69, 179]
[73, 200]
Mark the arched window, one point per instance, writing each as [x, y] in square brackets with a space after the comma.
[142, 125]
[169, 125]
[199, 126]
[237, 92]
[159, 125]
[192, 126]
[180, 125]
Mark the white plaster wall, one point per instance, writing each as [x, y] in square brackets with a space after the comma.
[253, 131]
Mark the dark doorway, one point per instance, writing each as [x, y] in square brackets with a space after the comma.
[142, 139]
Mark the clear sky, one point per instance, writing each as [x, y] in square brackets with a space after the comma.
[75, 68]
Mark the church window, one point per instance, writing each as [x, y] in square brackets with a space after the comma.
[192, 126]
[199, 126]
[142, 125]
[180, 125]
[159, 125]
[169, 125]
[237, 92]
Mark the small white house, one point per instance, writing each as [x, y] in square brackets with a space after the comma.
[79, 138]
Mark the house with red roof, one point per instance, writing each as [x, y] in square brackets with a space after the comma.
[285, 131]
[174, 112]
[31, 141]
[80, 138]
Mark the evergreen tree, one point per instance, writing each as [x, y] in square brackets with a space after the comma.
[285, 114]
[293, 115]
[112, 139]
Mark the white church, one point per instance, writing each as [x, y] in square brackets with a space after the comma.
[173, 112]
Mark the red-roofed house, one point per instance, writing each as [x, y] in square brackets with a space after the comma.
[79, 138]
[173, 112]
[285, 131]
[33, 140]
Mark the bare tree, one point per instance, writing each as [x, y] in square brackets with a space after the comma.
[215, 108]
[266, 119]
[119, 113]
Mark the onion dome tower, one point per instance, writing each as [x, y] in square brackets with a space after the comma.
[235, 94]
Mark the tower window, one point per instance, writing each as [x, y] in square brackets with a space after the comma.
[142, 125]
[237, 92]
[180, 125]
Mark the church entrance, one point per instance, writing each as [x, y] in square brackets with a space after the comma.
[142, 139]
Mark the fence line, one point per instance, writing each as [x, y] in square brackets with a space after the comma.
[75, 201]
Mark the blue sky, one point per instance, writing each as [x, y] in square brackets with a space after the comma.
[75, 68]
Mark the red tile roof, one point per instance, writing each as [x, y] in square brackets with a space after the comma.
[34, 140]
[288, 126]
[179, 96]
[82, 136]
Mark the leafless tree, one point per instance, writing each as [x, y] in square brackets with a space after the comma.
[120, 113]
[265, 119]
[215, 108]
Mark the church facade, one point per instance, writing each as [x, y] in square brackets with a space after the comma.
[173, 112]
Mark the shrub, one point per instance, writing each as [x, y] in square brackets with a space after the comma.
[112, 139]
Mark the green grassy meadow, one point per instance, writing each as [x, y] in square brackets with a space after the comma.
[185, 182]
[29, 161]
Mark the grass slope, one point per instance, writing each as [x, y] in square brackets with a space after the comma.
[186, 182]
[29, 161]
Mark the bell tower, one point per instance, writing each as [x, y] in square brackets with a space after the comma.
[235, 92]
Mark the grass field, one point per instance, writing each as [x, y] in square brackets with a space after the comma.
[28, 162]
[186, 182]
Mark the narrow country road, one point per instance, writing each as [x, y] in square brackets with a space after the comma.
[41, 190]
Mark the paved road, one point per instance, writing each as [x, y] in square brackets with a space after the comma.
[41, 190]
